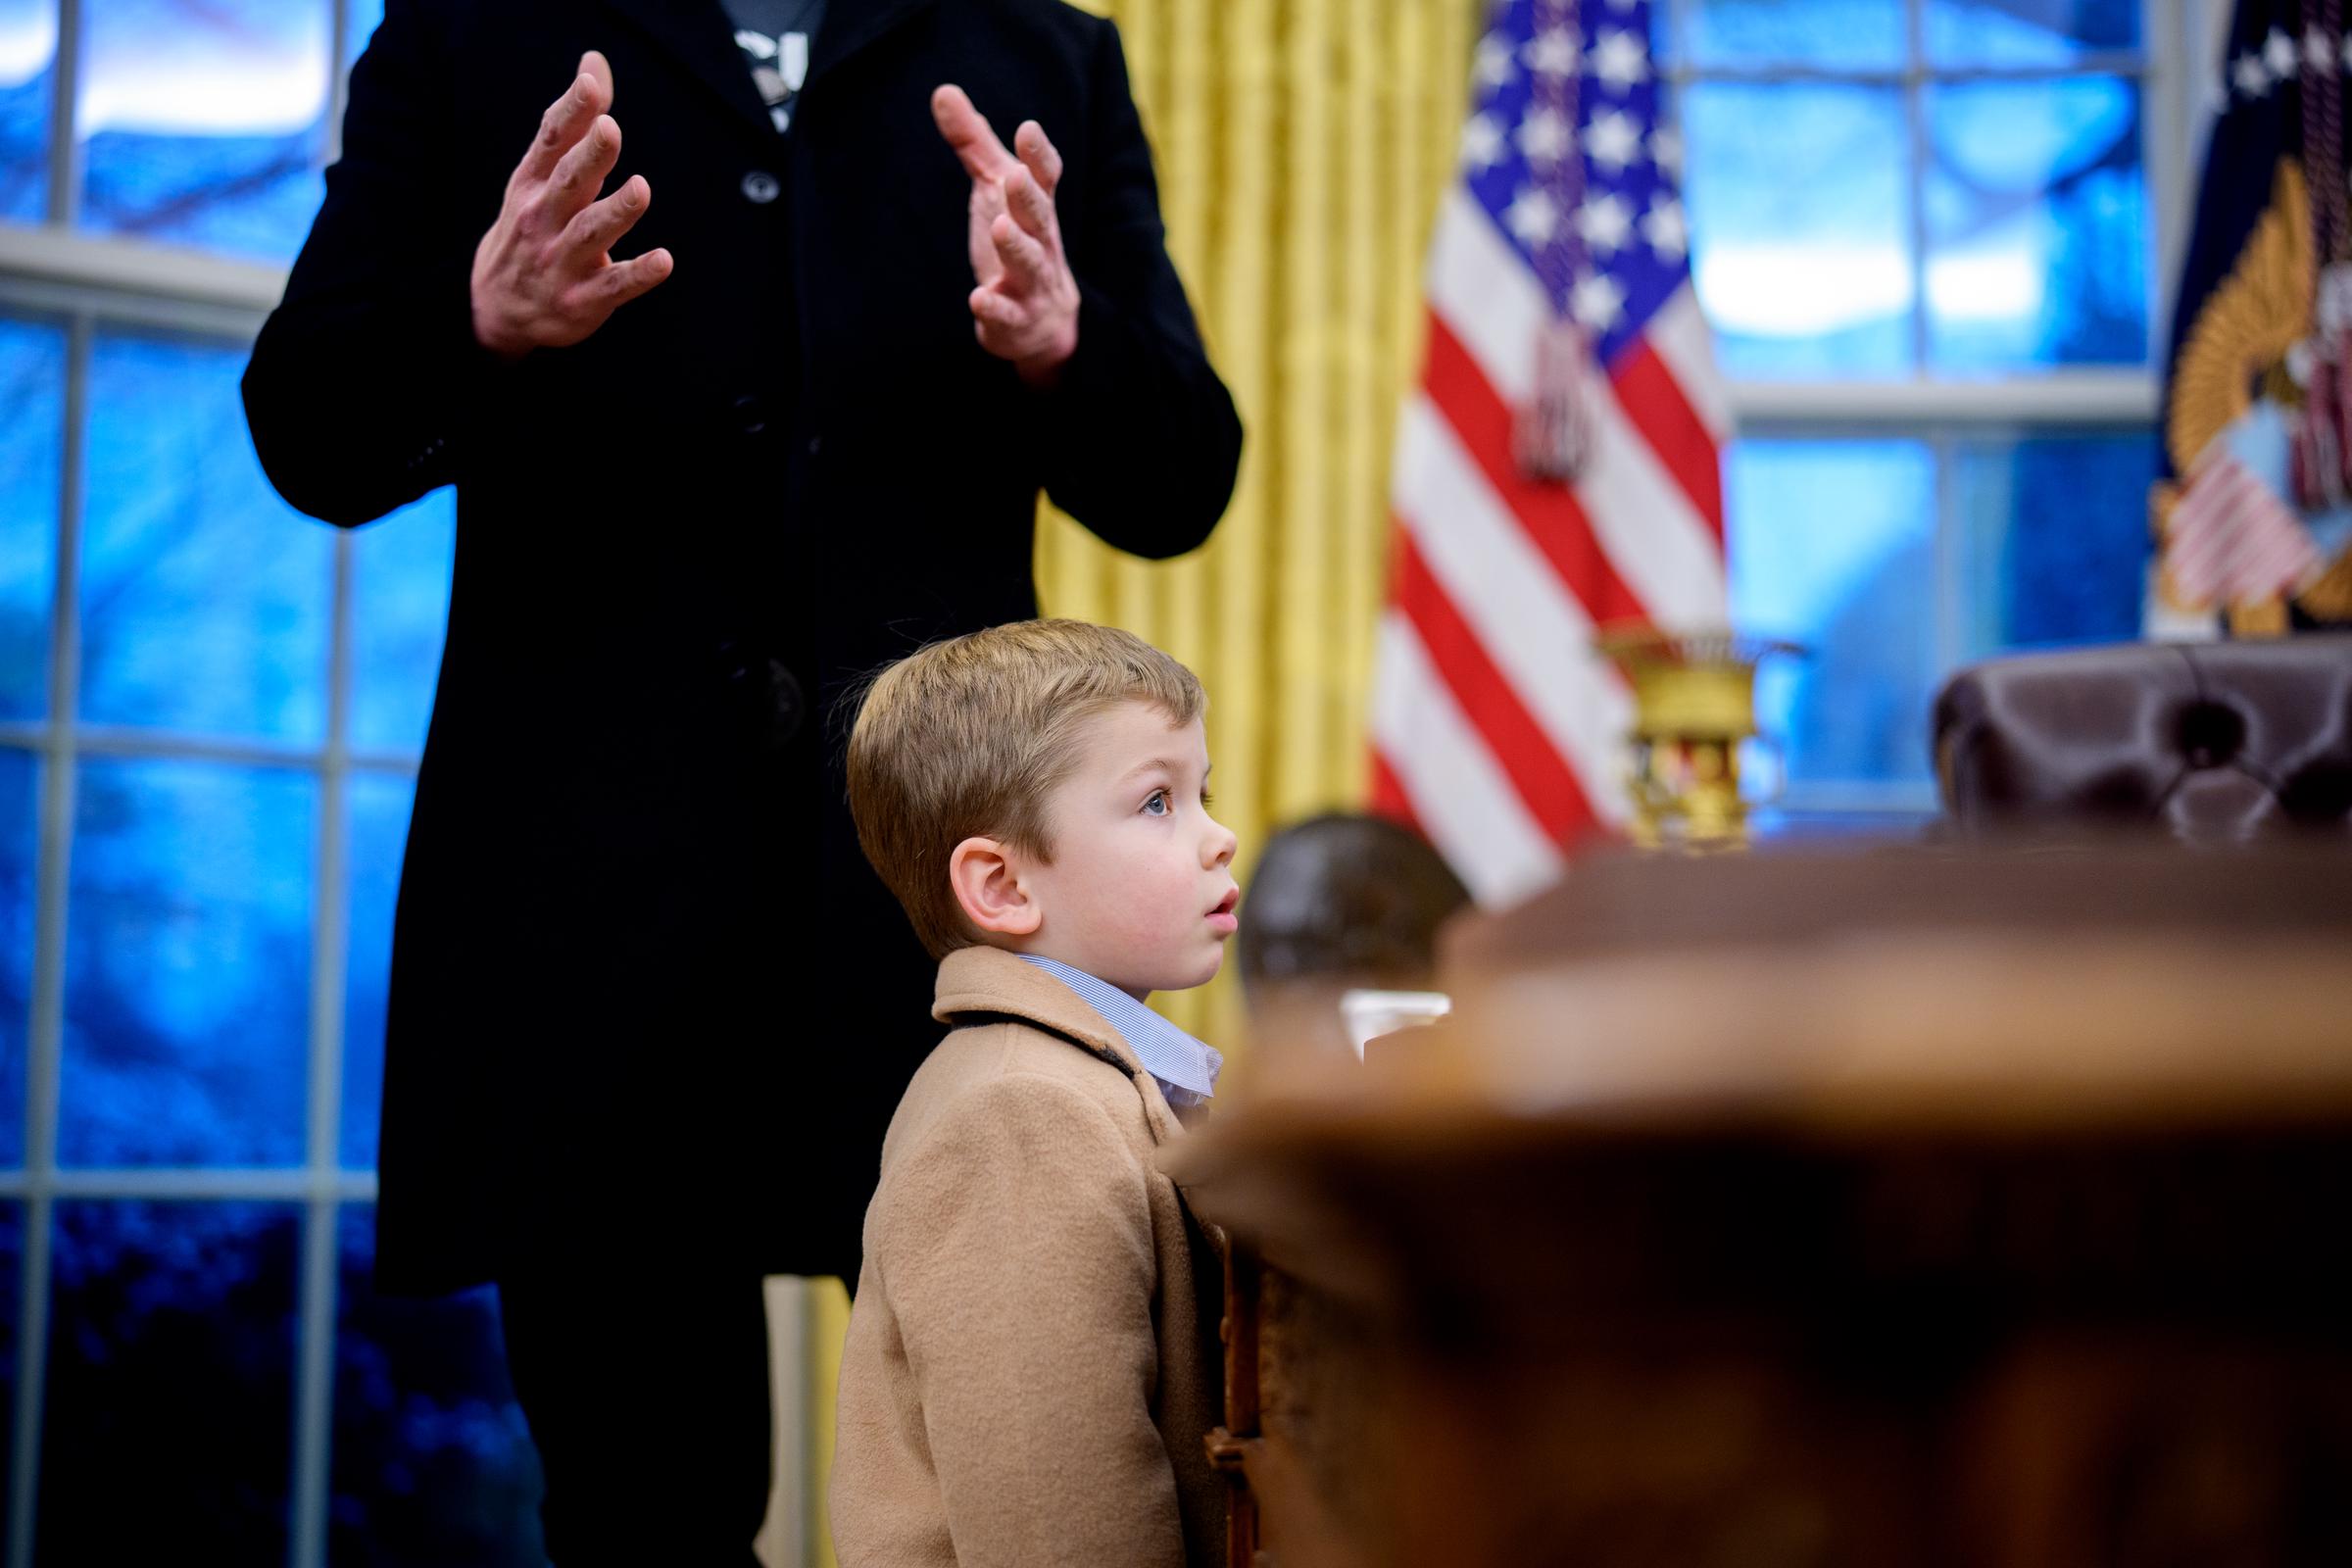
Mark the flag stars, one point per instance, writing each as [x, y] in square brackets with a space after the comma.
[1612, 140]
[2278, 54]
[1663, 227]
[1546, 136]
[1552, 52]
[1620, 60]
[2319, 49]
[1494, 66]
[2250, 76]
[1598, 301]
[1481, 143]
[1603, 225]
[1533, 218]
[1666, 149]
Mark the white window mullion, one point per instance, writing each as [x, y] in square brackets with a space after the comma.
[338, 39]
[330, 941]
[1915, 183]
[45, 1034]
[65, 119]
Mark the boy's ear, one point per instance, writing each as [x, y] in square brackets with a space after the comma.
[987, 879]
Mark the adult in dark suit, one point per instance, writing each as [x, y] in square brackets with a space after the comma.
[771, 410]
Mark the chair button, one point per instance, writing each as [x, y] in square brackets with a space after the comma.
[759, 187]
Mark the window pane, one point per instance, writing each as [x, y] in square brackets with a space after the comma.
[205, 122]
[433, 1464]
[2038, 225]
[167, 1433]
[399, 613]
[20, 851]
[32, 389]
[27, 58]
[2028, 32]
[361, 19]
[2056, 535]
[187, 965]
[1856, 35]
[1833, 546]
[1796, 197]
[379, 831]
[205, 598]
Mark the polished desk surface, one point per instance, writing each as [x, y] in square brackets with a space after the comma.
[1911, 1206]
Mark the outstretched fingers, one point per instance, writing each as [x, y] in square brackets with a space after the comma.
[601, 224]
[992, 308]
[1039, 153]
[1031, 208]
[969, 133]
[568, 119]
[581, 173]
[1026, 265]
[623, 282]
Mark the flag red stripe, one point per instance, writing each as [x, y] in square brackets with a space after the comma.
[1653, 401]
[1549, 513]
[1542, 779]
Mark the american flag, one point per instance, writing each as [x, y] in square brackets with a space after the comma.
[1495, 728]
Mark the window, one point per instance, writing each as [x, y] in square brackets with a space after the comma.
[1924, 232]
[211, 713]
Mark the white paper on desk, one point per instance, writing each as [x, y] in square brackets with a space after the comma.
[1368, 1014]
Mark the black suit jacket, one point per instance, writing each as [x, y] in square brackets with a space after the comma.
[641, 974]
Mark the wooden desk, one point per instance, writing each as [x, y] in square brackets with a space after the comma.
[1918, 1209]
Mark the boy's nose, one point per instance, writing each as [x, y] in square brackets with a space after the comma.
[1219, 847]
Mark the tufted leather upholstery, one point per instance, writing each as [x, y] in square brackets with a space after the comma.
[2210, 742]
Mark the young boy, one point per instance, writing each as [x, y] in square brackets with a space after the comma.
[1030, 1369]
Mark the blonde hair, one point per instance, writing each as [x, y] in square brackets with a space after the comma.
[968, 737]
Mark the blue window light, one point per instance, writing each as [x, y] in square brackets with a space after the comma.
[27, 72]
[187, 965]
[170, 1397]
[205, 598]
[204, 122]
[32, 389]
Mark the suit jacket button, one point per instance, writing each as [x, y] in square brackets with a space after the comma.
[759, 187]
[751, 414]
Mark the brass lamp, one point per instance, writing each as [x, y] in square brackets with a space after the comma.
[1694, 704]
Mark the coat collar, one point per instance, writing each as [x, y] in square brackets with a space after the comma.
[852, 25]
[699, 36]
[981, 980]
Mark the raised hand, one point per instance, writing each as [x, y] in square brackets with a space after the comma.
[543, 276]
[1025, 307]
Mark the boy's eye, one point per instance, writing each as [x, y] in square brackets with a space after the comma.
[1158, 805]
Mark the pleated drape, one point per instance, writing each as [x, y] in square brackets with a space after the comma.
[1301, 148]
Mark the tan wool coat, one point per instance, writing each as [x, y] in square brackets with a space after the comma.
[1031, 1369]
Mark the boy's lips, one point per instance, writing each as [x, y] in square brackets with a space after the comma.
[1222, 918]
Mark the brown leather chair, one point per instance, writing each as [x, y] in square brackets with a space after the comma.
[2209, 742]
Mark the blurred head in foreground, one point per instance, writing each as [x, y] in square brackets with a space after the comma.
[1336, 903]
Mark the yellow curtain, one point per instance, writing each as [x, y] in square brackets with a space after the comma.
[1301, 147]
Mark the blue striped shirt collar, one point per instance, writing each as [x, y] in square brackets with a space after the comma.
[1187, 1068]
